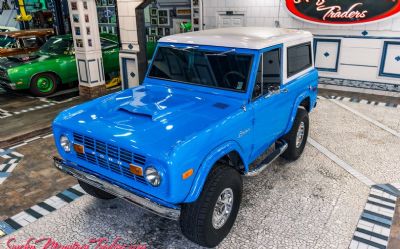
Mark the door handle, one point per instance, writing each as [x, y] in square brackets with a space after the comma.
[284, 90]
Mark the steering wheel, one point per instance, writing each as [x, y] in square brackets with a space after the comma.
[233, 73]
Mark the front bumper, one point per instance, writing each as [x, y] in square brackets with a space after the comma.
[7, 84]
[166, 212]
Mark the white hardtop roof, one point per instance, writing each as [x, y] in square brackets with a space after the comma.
[240, 37]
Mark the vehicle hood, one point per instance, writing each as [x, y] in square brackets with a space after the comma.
[149, 118]
[17, 60]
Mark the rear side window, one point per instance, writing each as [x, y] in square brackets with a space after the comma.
[298, 58]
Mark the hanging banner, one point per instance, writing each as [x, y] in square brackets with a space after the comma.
[333, 12]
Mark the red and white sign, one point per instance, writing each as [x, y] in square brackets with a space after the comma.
[341, 12]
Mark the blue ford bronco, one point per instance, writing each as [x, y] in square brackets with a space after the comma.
[212, 102]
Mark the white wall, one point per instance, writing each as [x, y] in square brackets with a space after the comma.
[265, 13]
[360, 54]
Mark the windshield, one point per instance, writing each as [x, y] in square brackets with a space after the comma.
[226, 70]
[7, 42]
[56, 46]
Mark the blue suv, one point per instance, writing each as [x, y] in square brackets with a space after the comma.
[212, 102]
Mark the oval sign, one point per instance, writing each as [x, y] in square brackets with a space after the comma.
[344, 11]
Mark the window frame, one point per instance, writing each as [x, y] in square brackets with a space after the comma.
[261, 59]
[207, 49]
[289, 75]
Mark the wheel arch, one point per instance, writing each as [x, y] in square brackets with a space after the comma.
[228, 153]
[303, 100]
[59, 80]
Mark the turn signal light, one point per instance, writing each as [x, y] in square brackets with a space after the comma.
[79, 148]
[136, 170]
[187, 174]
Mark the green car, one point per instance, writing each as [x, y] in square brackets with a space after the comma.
[52, 65]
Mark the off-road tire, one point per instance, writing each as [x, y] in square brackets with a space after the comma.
[293, 152]
[196, 218]
[95, 192]
[45, 91]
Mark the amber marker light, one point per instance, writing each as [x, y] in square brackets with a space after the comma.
[79, 148]
[187, 174]
[136, 170]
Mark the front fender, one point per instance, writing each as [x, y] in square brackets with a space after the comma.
[206, 166]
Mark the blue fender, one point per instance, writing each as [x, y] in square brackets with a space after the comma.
[299, 99]
[206, 166]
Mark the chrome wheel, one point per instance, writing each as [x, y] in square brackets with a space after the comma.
[222, 208]
[300, 135]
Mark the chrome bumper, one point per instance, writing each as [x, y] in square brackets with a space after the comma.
[7, 84]
[166, 212]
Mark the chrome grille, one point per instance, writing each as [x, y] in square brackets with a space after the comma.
[109, 156]
[3, 74]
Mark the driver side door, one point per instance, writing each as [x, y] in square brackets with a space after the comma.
[269, 102]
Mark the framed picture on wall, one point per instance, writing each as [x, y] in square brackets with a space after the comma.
[74, 6]
[75, 18]
[153, 11]
[79, 43]
[77, 31]
[153, 31]
[183, 12]
[160, 31]
[154, 21]
[163, 17]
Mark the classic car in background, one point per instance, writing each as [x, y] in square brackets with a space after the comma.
[23, 41]
[52, 65]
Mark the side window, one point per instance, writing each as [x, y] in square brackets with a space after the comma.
[268, 74]
[30, 42]
[298, 58]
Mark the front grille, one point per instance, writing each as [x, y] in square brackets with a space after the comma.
[110, 157]
[3, 74]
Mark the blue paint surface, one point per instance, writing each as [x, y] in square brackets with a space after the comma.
[175, 126]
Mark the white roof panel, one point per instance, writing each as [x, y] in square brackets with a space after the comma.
[240, 37]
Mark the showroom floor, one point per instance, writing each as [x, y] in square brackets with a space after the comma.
[334, 196]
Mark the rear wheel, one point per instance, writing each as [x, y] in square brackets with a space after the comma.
[95, 192]
[297, 137]
[208, 220]
[43, 84]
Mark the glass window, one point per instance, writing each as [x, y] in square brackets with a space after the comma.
[7, 42]
[30, 42]
[269, 73]
[226, 70]
[105, 44]
[299, 58]
[57, 46]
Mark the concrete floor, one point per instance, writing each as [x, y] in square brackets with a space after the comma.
[310, 203]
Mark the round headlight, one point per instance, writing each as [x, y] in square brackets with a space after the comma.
[152, 176]
[65, 144]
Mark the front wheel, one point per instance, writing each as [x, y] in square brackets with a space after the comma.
[297, 137]
[208, 220]
[43, 84]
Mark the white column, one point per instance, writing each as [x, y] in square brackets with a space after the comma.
[86, 37]
[128, 31]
